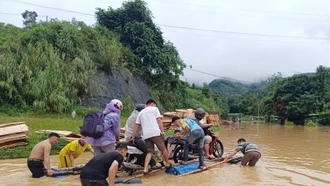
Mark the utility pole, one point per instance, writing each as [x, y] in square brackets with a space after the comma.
[46, 18]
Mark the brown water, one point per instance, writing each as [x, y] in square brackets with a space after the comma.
[290, 156]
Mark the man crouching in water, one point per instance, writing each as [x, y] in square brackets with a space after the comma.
[250, 150]
[103, 166]
[39, 157]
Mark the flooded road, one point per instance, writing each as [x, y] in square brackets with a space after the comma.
[290, 156]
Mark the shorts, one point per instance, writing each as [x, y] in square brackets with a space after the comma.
[103, 149]
[207, 139]
[150, 143]
[36, 168]
[86, 182]
[65, 161]
[251, 157]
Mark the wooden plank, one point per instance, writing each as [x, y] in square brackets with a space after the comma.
[16, 144]
[74, 135]
[167, 121]
[69, 139]
[169, 114]
[59, 132]
[14, 137]
[12, 129]
[11, 124]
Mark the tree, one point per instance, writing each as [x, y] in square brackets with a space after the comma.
[133, 22]
[206, 91]
[30, 17]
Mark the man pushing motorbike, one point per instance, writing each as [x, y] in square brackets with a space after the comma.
[194, 134]
[197, 117]
[138, 142]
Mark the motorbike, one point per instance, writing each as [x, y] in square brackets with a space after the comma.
[216, 148]
[134, 160]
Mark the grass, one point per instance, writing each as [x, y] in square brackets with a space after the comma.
[35, 123]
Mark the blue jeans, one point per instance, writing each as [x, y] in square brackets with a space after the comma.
[198, 136]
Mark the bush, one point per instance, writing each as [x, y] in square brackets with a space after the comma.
[289, 123]
[324, 118]
[311, 124]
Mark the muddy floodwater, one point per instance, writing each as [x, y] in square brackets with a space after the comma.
[290, 156]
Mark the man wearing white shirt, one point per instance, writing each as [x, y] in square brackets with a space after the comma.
[150, 121]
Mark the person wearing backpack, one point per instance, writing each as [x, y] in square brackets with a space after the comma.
[110, 128]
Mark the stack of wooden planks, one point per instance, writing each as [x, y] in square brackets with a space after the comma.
[213, 117]
[13, 135]
[71, 136]
[67, 135]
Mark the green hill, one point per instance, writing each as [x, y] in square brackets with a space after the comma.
[228, 87]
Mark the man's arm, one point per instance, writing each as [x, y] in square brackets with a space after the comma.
[230, 156]
[136, 126]
[92, 151]
[160, 124]
[112, 173]
[72, 158]
[46, 159]
[206, 125]
[185, 131]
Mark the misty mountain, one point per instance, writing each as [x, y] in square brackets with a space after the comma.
[228, 87]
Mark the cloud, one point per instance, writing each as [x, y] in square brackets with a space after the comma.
[241, 57]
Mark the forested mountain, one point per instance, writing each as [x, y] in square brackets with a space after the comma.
[292, 98]
[51, 66]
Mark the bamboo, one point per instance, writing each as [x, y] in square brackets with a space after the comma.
[212, 165]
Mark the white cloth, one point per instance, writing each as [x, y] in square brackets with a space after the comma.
[129, 127]
[147, 119]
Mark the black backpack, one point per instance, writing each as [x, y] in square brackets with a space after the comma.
[93, 125]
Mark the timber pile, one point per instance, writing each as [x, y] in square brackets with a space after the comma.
[13, 135]
[213, 117]
[67, 135]
[71, 136]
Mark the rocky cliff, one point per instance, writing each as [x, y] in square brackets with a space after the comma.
[119, 84]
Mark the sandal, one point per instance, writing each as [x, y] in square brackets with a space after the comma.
[204, 168]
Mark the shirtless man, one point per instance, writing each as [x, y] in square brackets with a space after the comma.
[39, 157]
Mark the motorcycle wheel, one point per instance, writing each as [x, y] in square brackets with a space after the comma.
[178, 154]
[217, 149]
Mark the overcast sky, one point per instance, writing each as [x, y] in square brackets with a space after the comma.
[239, 56]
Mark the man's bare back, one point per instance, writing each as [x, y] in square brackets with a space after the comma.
[39, 150]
